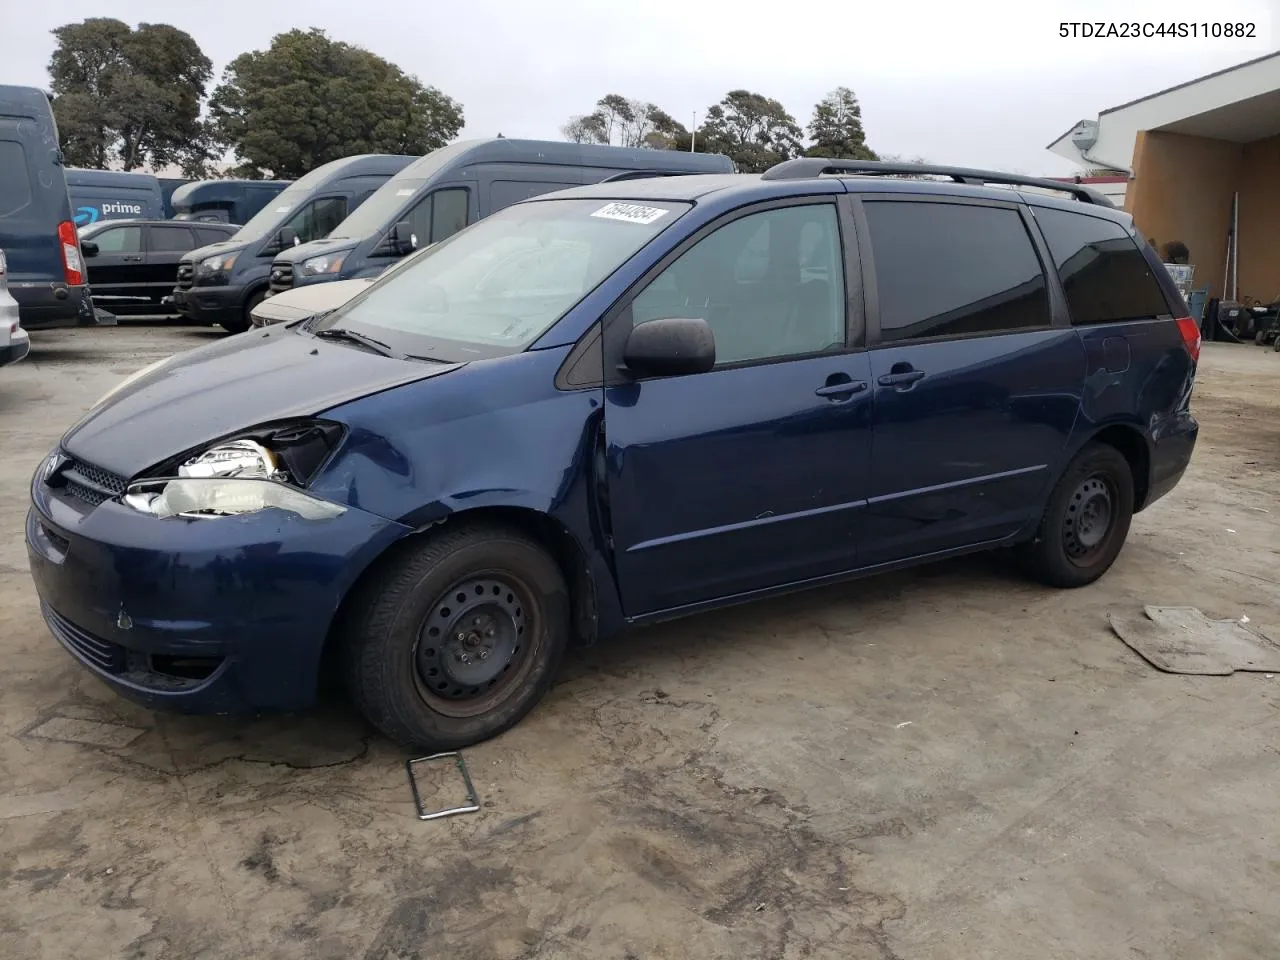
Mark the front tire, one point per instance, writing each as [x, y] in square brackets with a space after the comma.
[1086, 521]
[244, 321]
[456, 640]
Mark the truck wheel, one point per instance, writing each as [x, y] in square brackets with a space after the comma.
[454, 642]
[244, 322]
[1086, 520]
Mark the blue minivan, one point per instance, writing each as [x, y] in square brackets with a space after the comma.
[610, 406]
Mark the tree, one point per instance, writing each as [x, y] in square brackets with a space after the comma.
[836, 128]
[127, 96]
[625, 123]
[308, 100]
[585, 128]
[753, 130]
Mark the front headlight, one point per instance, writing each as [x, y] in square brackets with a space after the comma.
[328, 263]
[239, 458]
[214, 266]
[207, 498]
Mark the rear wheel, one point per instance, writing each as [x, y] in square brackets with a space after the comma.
[457, 640]
[1086, 520]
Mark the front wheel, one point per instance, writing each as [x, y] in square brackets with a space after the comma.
[454, 642]
[243, 322]
[1086, 521]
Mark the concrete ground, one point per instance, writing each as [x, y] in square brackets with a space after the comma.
[945, 764]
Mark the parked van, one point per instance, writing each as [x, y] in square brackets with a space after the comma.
[223, 282]
[225, 201]
[167, 187]
[45, 272]
[113, 195]
[440, 194]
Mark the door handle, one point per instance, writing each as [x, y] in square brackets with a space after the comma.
[841, 389]
[131, 259]
[903, 378]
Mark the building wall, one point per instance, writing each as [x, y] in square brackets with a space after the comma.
[1259, 271]
[1182, 190]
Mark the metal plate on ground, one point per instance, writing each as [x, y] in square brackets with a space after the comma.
[472, 803]
[1184, 640]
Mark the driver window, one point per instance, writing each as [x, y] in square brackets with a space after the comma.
[318, 218]
[769, 284]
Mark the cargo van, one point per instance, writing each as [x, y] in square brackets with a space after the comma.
[113, 195]
[222, 282]
[438, 195]
[45, 271]
[167, 186]
[223, 201]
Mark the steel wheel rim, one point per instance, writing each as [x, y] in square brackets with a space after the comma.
[475, 644]
[1090, 520]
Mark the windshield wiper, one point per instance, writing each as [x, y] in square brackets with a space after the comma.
[341, 333]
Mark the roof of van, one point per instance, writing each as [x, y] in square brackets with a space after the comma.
[23, 102]
[212, 190]
[508, 150]
[361, 165]
[106, 178]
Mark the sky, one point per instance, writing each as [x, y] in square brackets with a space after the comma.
[984, 83]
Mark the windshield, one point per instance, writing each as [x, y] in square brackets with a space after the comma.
[270, 216]
[497, 286]
[371, 217]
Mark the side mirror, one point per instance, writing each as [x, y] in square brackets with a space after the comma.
[403, 239]
[669, 347]
[88, 248]
[288, 237]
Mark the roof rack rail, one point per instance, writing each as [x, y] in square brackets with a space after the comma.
[644, 175]
[808, 168]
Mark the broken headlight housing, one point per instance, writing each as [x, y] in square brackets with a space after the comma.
[263, 469]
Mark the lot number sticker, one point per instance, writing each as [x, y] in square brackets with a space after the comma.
[630, 213]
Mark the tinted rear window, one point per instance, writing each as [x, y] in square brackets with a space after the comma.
[1104, 274]
[15, 181]
[949, 270]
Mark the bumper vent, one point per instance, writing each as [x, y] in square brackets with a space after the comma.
[103, 654]
[86, 482]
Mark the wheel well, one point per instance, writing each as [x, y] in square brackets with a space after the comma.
[1134, 449]
[546, 531]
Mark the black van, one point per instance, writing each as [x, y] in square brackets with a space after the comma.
[46, 272]
[224, 201]
[440, 194]
[221, 283]
[113, 195]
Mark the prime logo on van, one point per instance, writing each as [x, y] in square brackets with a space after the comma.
[87, 215]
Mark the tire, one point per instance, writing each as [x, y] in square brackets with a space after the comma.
[1275, 345]
[1260, 338]
[514, 607]
[1069, 550]
[244, 322]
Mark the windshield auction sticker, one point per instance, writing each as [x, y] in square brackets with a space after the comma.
[630, 213]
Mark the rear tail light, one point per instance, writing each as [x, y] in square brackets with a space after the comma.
[70, 243]
[4, 265]
[1190, 331]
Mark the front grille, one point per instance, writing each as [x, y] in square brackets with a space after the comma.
[186, 275]
[86, 482]
[103, 654]
[281, 276]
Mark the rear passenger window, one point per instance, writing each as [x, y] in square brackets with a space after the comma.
[172, 239]
[1104, 274]
[769, 284]
[952, 270]
[206, 237]
[15, 181]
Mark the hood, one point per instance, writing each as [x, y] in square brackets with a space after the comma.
[314, 248]
[300, 302]
[230, 245]
[200, 396]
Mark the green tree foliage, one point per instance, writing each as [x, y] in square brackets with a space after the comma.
[755, 131]
[623, 122]
[309, 100]
[836, 128]
[127, 97]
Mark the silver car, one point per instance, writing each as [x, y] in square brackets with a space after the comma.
[14, 341]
